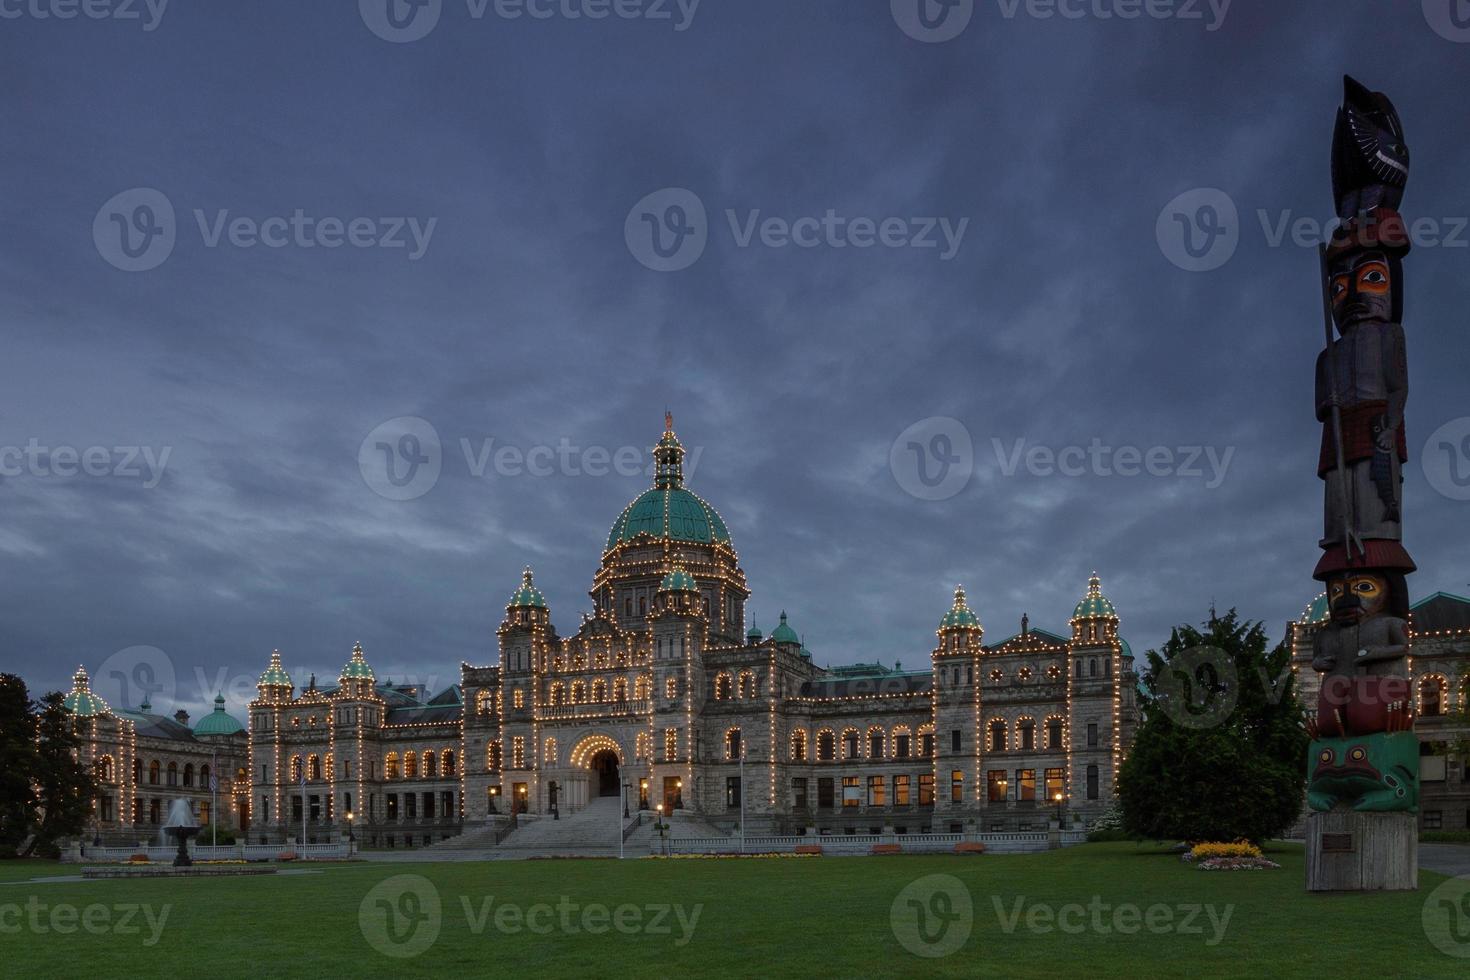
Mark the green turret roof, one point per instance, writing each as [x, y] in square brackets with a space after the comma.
[80, 701]
[1094, 605]
[217, 722]
[960, 616]
[753, 635]
[275, 675]
[357, 668]
[668, 511]
[1316, 611]
[784, 633]
[528, 594]
[678, 580]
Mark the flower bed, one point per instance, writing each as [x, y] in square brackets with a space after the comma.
[1237, 864]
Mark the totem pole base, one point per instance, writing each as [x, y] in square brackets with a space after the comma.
[1349, 851]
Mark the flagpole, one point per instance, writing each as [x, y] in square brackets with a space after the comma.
[214, 799]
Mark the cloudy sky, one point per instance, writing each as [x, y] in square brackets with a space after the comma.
[247, 243]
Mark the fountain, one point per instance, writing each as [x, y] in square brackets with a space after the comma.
[181, 825]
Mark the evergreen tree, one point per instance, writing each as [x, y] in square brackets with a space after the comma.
[17, 748]
[63, 786]
[1221, 752]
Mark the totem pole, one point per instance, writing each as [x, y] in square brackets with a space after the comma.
[1363, 766]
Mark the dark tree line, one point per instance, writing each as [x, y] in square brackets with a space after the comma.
[46, 792]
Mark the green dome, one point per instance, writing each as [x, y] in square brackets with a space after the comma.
[678, 580]
[784, 633]
[1094, 605]
[357, 668]
[528, 594]
[275, 675]
[1317, 611]
[753, 635]
[80, 701]
[217, 722]
[960, 615]
[671, 513]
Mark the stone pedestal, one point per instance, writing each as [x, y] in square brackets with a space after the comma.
[1348, 851]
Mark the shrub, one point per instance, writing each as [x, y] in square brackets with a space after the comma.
[1239, 849]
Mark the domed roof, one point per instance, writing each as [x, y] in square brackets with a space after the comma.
[678, 580]
[1094, 605]
[668, 511]
[80, 701]
[357, 668]
[960, 615]
[217, 722]
[275, 675]
[1317, 611]
[528, 594]
[784, 633]
[753, 635]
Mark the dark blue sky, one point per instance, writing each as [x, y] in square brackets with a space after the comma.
[1057, 314]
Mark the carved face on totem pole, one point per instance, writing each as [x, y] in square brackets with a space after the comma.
[1364, 287]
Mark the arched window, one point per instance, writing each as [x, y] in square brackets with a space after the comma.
[642, 606]
[446, 764]
[620, 689]
[103, 769]
[747, 685]
[599, 690]
[628, 607]
[826, 745]
[314, 768]
[390, 765]
[558, 692]
[327, 767]
[1054, 732]
[153, 773]
[579, 692]
[492, 756]
[483, 702]
[850, 743]
[901, 742]
[997, 735]
[1026, 734]
[926, 741]
[1092, 667]
[1431, 696]
[410, 766]
[550, 752]
[137, 772]
[641, 688]
[295, 769]
[643, 747]
[204, 777]
[431, 765]
[798, 745]
[723, 683]
[173, 774]
[671, 688]
[188, 774]
[732, 744]
[1079, 668]
[875, 742]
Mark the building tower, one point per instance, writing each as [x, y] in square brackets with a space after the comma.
[354, 731]
[679, 625]
[267, 763]
[1094, 703]
[956, 705]
[524, 634]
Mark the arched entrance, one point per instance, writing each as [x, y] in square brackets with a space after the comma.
[604, 764]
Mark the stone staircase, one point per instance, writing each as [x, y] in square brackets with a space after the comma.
[593, 831]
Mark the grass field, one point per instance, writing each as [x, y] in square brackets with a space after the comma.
[790, 917]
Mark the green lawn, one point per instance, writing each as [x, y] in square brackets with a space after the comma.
[792, 917]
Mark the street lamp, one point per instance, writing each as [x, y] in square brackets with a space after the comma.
[1058, 799]
[350, 817]
[660, 826]
[494, 792]
[678, 794]
[626, 786]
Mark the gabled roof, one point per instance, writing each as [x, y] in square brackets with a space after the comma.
[1047, 637]
[889, 684]
[1440, 612]
[156, 726]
